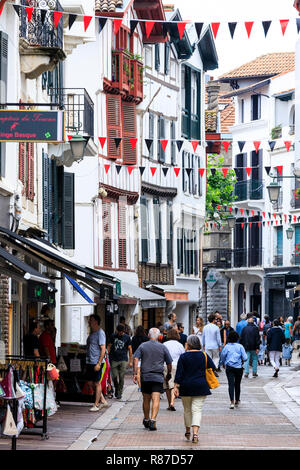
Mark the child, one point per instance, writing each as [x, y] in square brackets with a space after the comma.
[261, 354]
[287, 350]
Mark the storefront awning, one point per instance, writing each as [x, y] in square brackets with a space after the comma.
[172, 292]
[79, 290]
[14, 267]
[49, 256]
[146, 298]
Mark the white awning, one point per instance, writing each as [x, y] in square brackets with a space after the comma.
[147, 298]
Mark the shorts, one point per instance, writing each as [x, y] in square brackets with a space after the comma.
[151, 387]
[169, 385]
[93, 375]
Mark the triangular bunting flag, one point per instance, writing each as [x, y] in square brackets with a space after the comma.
[201, 171]
[279, 169]
[250, 224]
[272, 144]
[283, 24]
[117, 24]
[164, 144]
[57, 16]
[268, 222]
[274, 215]
[118, 168]
[230, 209]
[266, 26]
[213, 171]
[117, 140]
[248, 171]
[232, 27]
[285, 218]
[86, 22]
[256, 144]
[142, 169]
[102, 141]
[149, 26]
[133, 25]
[225, 171]
[70, 137]
[17, 9]
[177, 170]
[130, 168]
[195, 144]
[287, 144]
[215, 29]
[181, 27]
[241, 211]
[133, 143]
[179, 144]
[252, 212]
[43, 15]
[149, 143]
[102, 23]
[248, 26]
[188, 170]
[268, 169]
[295, 218]
[153, 170]
[259, 224]
[106, 168]
[226, 144]
[241, 144]
[198, 27]
[165, 170]
[72, 19]
[29, 11]
[298, 24]
[242, 224]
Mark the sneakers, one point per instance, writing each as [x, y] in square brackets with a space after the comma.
[231, 406]
[254, 375]
[246, 376]
[237, 403]
[95, 408]
[152, 425]
[276, 373]
[146, 423]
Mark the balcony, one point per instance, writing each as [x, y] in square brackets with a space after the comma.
[295, 199]
[278, 260]
[247, 257]
[217, 258]
[127, 76]
[250, 189]
[41, 45]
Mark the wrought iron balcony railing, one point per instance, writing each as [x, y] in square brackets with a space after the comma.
[127, 74]
[250, 189]
[278, 260]
[247, 257]
[217, 258]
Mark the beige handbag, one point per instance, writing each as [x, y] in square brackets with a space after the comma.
[9, 425]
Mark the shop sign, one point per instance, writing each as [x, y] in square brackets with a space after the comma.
[37, 292]
[31, 126]
[291, 280]
[211, 279]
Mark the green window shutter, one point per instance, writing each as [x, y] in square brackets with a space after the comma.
[157, 224]
[173, 143]
[170, 233]
[45, 160]
[151, 132]
[157, 57]
[167, 58]
[144, 229]
[161, 135]
[68, 216]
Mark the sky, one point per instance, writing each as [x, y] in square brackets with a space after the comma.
[239, 50]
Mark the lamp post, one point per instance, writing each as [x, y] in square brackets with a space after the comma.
[274, 191]
[289, 233]
[78, 145]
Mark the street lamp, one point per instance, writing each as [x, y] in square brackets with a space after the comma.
[78, 145]
[274, 191]
[289, 233]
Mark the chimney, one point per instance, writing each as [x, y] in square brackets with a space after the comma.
[212, 90]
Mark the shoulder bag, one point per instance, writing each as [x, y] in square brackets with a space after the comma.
[210, 376]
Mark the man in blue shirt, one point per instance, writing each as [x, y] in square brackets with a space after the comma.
[241, 324]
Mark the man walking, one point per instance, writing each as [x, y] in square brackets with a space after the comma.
[95, 353]
[275, 340]
[241, 324]
[250, 339]
[118, 347]
[152, 355]
[211, 339]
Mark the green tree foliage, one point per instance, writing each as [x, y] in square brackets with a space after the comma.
[219, 189]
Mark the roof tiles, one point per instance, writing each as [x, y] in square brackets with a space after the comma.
[108, 5]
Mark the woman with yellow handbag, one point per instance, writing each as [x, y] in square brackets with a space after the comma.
[194, 370]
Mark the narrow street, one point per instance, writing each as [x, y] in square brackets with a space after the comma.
[268, 418]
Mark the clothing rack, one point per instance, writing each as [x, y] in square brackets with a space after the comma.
[17, 361]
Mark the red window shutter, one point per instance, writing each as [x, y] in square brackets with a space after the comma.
[122, 235]
[107, 243]
[22, 153]
[129, 131]
[113, 109]
[30, 171]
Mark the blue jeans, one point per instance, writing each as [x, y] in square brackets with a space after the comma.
[251, 355]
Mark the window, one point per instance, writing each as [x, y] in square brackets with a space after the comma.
[255, 107]
[173, 69]
[187, 252]
[107, 236]
[173, 142]
[144, 229]
[278, 261]
[167, 58]
[157, 225]
[3, 89]
[157, 57]
[148, 56]
[151, 133]
[161, 135]
[191, 105]
[26, 168]
[122, 209]
[170, 232]
[242, 111]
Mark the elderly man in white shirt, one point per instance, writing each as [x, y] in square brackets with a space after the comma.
[211, 339]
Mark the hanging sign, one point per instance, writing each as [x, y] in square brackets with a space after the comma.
[31, 126]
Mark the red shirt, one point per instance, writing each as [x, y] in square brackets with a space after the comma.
[46, 341]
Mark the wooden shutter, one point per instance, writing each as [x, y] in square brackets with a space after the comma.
[167, 58]
[3, 90]
[30, 171]
[180, 250]
[129, 131]
[157, 224]
[45, 161]
[68, 216]
[22, 155]
[173, 143]
[157, 57]
[144, 229]
[122, 234]
[151, 133]
[170, 233]
[107, 243]
[114, 124]
[161, 135]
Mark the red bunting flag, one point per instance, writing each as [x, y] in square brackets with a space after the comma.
[279, 169]
[248, 26]
[242, 210]
[252, 212]
[259, 224]
[106, 168]
[268, 223]
[248, 171]
[130, 168]
[215, 28]
[195, 144]
[219, 207]
[226, 144]
[295, 218]
[181, 27]
[133, 143]
[57, 17]
[102, 141]
[283, 24]
[201, 171]
[274, 215]
[285, 218]
[117, 24]
[276, 222]
[86, 21]
[225, 171]
[256, 144]
[230, 209]
[287, 144]
[149, 27]
[70, 137]
[164, 144]
[242, 224]
[1, 9]
[153, 170]
[177, 170]
[264, 214]
[29, 11]
[215, 225]
[250, 224]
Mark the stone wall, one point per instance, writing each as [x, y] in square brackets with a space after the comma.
[215, 297]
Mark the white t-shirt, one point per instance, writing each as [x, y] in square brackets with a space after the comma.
[197, 332]
[175, 349]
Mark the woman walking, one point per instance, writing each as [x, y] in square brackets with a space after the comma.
[232, 358]
[191, 384]
[288, 328]
[175, 349]
[198, 328]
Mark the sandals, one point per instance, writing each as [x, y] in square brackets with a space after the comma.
[195, 438]
[187, 436]
[171, 408]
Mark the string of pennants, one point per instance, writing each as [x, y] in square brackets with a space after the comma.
[279, 219]
[149, 24]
